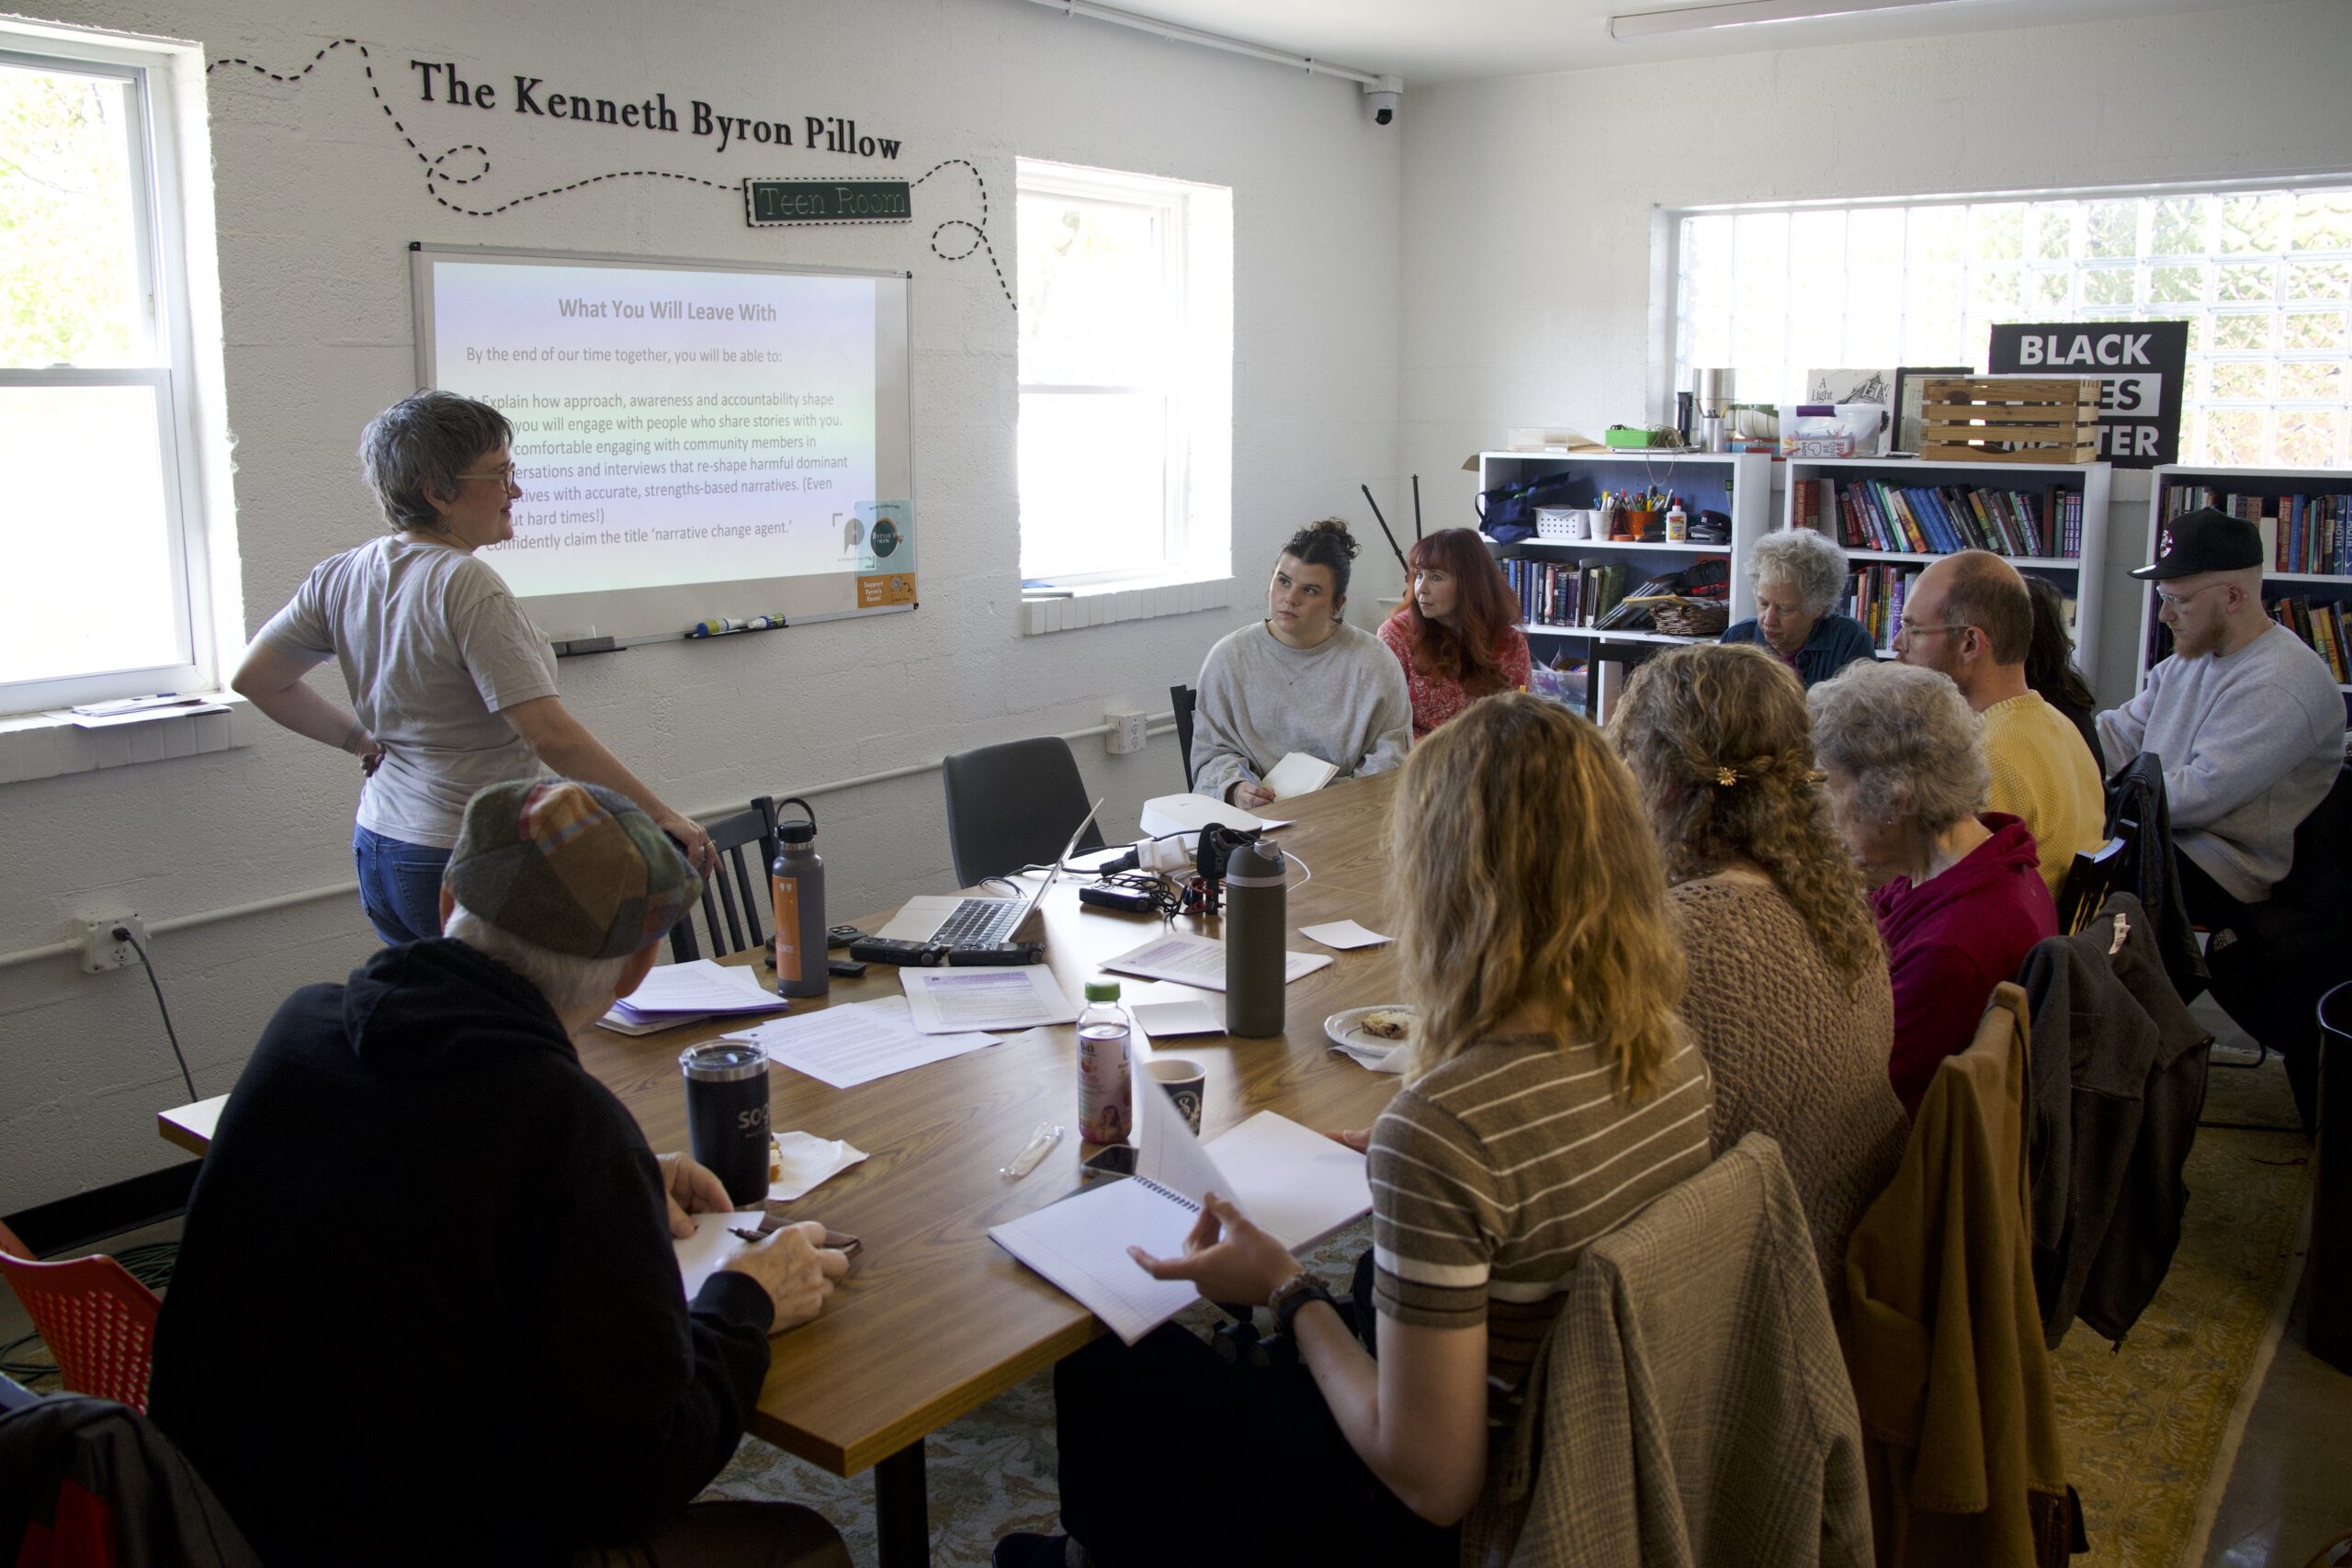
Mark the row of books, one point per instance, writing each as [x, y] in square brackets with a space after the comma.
[2327, 627]
[1561, 593]
[1874, 597]
[1870, 514]
[2300, 533]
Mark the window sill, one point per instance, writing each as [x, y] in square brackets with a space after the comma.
[1112, 603]
[35, 746]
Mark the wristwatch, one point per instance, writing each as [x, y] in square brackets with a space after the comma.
[1293, 1293]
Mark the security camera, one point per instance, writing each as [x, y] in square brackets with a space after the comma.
[1385, 99]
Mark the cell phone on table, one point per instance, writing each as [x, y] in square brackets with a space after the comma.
[1108, 1163]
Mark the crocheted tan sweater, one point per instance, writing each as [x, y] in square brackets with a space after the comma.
[1795, 1054]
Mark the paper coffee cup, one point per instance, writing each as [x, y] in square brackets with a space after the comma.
[1186, 1082]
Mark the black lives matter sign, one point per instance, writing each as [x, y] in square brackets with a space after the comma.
[2139, 366]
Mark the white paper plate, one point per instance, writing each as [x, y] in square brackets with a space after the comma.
[1347, 1035]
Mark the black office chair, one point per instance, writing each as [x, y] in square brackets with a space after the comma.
[2090, 879]
[1181, 698]
[737, 897]
[1012, 806]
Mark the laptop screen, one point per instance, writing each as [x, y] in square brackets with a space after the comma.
[1054, 872]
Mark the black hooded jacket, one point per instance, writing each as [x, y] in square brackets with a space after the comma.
[425, 1308]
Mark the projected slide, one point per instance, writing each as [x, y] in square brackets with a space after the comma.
[677, 426]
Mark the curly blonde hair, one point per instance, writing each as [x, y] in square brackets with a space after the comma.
[1719, 739]
[1520, 887]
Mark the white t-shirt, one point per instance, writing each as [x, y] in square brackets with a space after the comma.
[432, 646]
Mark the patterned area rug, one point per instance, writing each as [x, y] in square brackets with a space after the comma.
[2145, 1426]
[988, 1474]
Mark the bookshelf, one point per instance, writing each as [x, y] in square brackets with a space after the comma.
[1738, 484]
[2061, 499]
[2263, 494]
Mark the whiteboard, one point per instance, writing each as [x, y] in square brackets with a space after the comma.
[694, 440]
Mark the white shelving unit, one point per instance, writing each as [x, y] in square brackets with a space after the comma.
[1736, 484]
[1744, 480]
[2268, 483]
[2078, 578]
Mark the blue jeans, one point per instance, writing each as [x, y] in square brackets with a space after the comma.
[400, 885]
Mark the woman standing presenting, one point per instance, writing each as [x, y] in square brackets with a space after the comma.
[1454, 634]
[451, 687]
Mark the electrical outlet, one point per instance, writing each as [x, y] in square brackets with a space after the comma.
[101, 951]
[1125, 735]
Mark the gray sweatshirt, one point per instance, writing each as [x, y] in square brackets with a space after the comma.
[2250, 743]
[1342, 700]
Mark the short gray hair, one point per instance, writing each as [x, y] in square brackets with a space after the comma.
[1805, 560]
[568, 982]
[416, 449]
[1906, 738]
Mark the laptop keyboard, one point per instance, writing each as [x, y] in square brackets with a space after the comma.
[980, 920]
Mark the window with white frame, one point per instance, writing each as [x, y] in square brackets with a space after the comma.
[1126, 377]
[103, 573]
[2262, 277]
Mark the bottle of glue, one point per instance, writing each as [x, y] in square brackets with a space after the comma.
[1677, 524]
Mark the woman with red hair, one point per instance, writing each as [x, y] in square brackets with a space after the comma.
[1456, 633]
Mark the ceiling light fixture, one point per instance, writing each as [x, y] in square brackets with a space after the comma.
[1750, 13]
[1178, 34]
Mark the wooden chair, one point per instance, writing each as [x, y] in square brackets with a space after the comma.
[1182, 699]
[2091, 877]
[98, 1320]
[1012, 805]
[734, 891]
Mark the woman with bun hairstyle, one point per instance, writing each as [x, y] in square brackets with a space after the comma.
[1301, 680]
[1455, 633]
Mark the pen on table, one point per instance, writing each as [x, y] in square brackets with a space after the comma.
[837, 1240]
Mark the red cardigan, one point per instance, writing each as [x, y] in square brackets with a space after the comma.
[1437, 698]
[1951, 940]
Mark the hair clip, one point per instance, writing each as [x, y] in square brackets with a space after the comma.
[1727, 777]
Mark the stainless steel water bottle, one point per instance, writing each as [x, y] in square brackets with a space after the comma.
[796, 889]
[1256, 924]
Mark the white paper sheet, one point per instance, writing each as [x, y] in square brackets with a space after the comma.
[1168, 1153]
[846, 1046]
[1343, 934]
[703, 1254]
[1011, 995]
[1166, 1019]
[1300, 772]
[1080, 1243]
[1296, 1184]
[700, 985]
[1191, 960]
[805, 1161]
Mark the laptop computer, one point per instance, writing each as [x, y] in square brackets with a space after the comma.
[966, 921]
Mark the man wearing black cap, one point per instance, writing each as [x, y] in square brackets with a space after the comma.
[2244, 716]
[426, 1308]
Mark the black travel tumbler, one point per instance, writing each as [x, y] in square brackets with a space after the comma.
[727, 1116]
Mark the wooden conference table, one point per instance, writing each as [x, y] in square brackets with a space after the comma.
[937, 1319]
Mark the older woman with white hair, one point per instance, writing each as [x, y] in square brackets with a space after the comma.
[1958, 896]
[1798, 575]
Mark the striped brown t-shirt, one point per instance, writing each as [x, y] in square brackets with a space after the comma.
[1491, 1176]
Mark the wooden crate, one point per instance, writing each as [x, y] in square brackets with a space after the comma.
[2004, 419]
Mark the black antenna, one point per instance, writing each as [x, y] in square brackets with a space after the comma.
[1416, 509]
[1402, 564]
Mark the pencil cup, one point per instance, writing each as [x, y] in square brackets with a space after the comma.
[727, 1116]
[1186, 1082]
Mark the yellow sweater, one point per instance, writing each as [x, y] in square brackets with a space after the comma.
[2043, 773]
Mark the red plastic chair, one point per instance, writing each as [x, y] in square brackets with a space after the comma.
[98, 1320]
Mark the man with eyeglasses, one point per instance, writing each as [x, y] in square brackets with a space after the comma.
[2244, 716]
[1968, 617]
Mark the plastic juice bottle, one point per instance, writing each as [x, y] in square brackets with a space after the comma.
[1106, 1102]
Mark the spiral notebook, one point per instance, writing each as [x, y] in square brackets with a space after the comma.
[1298, 1184]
